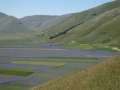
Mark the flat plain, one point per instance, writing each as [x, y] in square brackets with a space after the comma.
[23, 68]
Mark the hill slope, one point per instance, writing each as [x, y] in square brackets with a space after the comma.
[13, 31]
[104, 29]
[2, 15]
[104, 76]
[11, 24]
[91, 26]
[36, 21]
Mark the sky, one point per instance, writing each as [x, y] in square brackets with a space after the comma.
[21, 8]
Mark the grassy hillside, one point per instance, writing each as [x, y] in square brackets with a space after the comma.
[91, 26]
[66, 21]
[13, 31]
[11, 24]
[36, 21]
[104, 29]
[104, 76]
[98, 26]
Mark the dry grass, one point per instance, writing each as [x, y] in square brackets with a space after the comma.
[104, 76]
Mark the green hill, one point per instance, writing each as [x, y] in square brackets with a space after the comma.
[13, 31]
[104, 76]
[94, 26]
[36, 21]
[11, 24]
[104, 29]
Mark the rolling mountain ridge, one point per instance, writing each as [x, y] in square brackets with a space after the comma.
[99, 25]
[11, 24]
[91, 26]
[36, 21]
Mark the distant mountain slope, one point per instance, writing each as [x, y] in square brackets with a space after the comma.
[86, 27]
[36, 21]
[66, 21]
[11, 24]
[2, 15]
[99, 25]
[104, 29]
[13, 31]
[104, 76]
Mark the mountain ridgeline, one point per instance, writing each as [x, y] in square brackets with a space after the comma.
[99, 25]
[11, 24]
[36, 21]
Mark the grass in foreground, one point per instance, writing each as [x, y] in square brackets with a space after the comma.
[104, 76]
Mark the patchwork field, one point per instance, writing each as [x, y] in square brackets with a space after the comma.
[23, 68]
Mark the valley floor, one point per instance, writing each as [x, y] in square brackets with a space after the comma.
[23, 68]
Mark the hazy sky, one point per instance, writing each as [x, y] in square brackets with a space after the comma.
[20, 8]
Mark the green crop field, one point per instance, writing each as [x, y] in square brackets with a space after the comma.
[15, 72]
